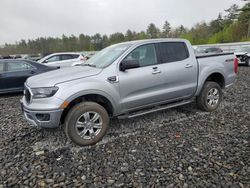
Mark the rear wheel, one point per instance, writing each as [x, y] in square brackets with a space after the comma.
[86, 123]
[210, 97]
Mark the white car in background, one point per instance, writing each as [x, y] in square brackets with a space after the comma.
[64, 59]
[243, 54]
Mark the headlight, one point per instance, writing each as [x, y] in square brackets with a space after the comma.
[43, 92]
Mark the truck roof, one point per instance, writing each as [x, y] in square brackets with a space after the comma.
[155, 40]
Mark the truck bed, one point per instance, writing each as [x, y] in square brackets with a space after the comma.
[222, 63]
[198, 56]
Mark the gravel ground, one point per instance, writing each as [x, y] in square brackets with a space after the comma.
[180, 147]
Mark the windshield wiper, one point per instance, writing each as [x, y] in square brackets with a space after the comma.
[90, 65]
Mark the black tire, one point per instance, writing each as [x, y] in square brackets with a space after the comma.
[76, 114]
[203, 100]
[248, 62]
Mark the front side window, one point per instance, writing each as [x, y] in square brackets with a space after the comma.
[173, 51]
[18, 66]
[145, 55]
[53, 58]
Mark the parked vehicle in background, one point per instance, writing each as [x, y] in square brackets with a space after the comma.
[209, 50]
[126, 80]
[90, 54]
[17, 57]
[32, 57]
[13, 73]
[243, 54]
[6, 57]
[65, 59]
[87, 56]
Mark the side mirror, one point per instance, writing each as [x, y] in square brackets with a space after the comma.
[129, 64]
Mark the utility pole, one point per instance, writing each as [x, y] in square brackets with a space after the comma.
[248, 33]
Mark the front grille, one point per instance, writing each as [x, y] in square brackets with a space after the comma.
[27, 95]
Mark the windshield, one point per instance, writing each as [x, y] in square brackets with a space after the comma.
[107, 56]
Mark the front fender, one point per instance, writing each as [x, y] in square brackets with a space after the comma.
[94, 92]
[74, 89]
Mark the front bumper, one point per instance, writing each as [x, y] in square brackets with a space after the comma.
[43, 118]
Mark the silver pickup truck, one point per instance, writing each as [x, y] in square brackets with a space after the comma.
[126, 80]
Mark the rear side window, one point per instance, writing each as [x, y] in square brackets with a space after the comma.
[66, 57]
[173, 51]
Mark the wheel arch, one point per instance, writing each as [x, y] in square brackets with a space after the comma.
[217, 77]
[97, 97]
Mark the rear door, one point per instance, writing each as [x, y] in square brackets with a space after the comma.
[68, 59]
[178, 71]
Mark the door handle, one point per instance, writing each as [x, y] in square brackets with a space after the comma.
[156, 72]
[188, 66]
[155, 68]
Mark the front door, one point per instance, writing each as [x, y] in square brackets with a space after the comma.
[139, 86]
[16, 74]
[2, 76]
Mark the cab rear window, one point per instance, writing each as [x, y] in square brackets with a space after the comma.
[173, 51]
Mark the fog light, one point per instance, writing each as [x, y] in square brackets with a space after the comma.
[43, 117]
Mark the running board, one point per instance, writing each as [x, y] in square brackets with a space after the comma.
[155, 109]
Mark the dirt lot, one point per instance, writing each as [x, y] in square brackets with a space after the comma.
[181, 147]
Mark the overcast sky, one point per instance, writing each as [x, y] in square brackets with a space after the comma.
[29, 19]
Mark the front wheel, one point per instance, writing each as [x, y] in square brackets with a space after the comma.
[86, 123]
[210, 97]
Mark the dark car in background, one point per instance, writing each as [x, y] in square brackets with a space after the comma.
[13, 73]
[209, 50]
[5, 57]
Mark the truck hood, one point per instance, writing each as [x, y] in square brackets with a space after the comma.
[52, 78]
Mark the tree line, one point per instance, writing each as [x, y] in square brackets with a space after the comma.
[233, 27]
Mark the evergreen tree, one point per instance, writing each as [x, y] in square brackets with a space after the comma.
[166, 29]
[153, 31]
